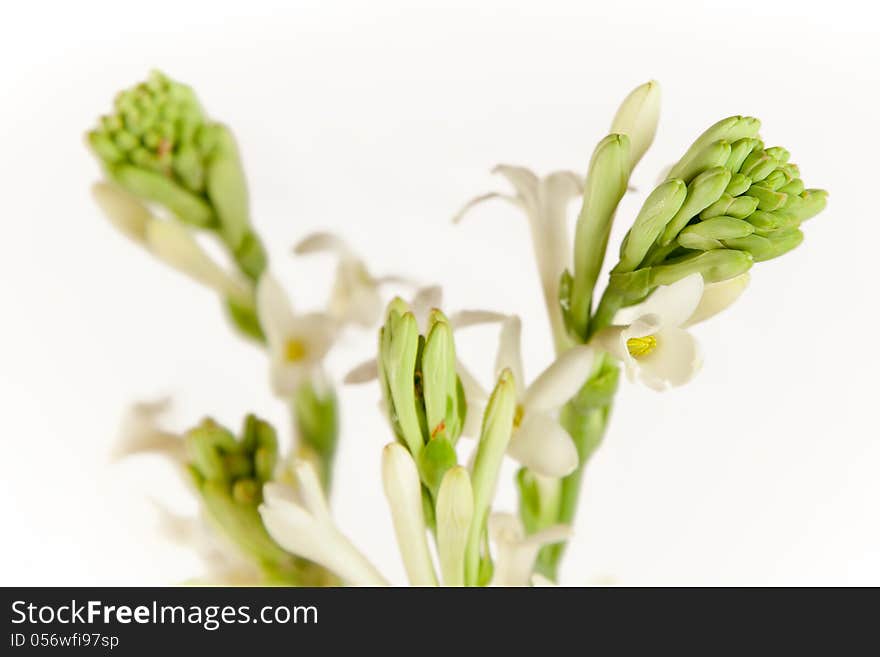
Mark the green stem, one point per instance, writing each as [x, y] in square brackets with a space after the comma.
[585, 417]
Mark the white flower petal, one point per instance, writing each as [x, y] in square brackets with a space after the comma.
[323, 242]
[363, 373]
[673, 304]
[466, 318]
[477, 200]
[524, 181]
[141, 433]
[543, 446]
[404, 492]
[274, 311]
[310, 490]
[561, 380]
[515, 554]
[300, 533]
[317, 332]
[509, 354]
[717, 297]
[124, 210]
[674, 361]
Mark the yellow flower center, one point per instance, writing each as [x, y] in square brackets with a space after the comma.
[640, 347]
[294, 350]
[518, 416]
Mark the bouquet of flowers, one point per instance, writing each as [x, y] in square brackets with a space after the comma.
[173, 175]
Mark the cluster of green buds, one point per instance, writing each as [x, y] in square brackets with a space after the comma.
[729, 202]
[421, 389]
[229, 473]
[159, 146]
[426, 407]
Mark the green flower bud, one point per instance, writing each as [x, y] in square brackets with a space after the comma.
[152, 186]
[739, 207]
[772, 245]
[439, 380]
[160, 146]
[793, 188]
[779, 154]
[659, 208]
[713, 156]
[739, 151]
[807, 204]
[766, 222]
[768, 200]
[399, 353]
[494, 439]
[760, 167]
[778, 178]
[705, 189]
[738, 184]
[728, 130]
[606, 184]
[698, 242]
[715, 266]
[719, 228]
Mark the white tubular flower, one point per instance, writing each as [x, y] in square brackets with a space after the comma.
[538, 441]
[141, 433]
[170, 241]
[545, 202]
[297, 343]
[637, 119]
[355, 296]
[423, 302]
[650, 338]
[404, 492]
[306, 529]
[515, 552]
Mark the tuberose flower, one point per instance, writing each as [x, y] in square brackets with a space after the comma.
[515, 552]
[141, 434]
[650, 337]
[355, 295]
[300, 522]
[538, 441]
[545, 202]
[297, 343]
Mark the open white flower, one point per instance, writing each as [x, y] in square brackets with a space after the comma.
[355, 296]
[141, 433]
[538, 441]
[515, 553]
[300, 522]
[650, 337]
[168, 240]
[423, 302]
[297, 343]
[545, 202]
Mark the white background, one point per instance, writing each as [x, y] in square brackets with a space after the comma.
[377, 120]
